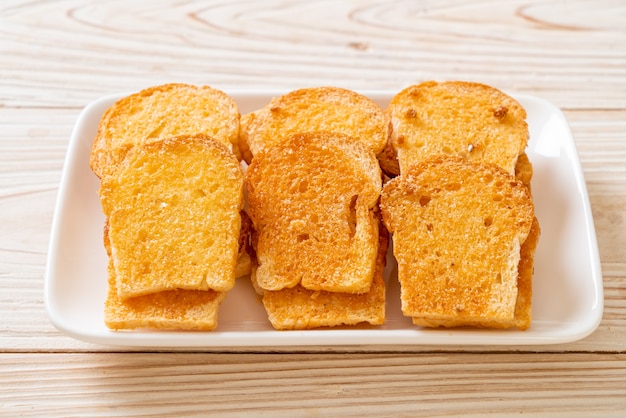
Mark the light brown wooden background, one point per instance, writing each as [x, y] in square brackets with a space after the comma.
[57, 56]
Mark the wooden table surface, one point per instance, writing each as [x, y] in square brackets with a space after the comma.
[57, 56]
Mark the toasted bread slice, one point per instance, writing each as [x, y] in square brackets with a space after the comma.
[173, 210]
[311, 200]
[162, 112]
[458, 229]
[171, 309]
[328, 109]
[457, 118]
[300, 308]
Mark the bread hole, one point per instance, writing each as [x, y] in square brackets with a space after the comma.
[499, 278]
[496, 198]
[488, 221]
[488, 178]
[453, 186]
[352, 215]
[424, 200]
[429, 227]
[304, 186]
[447, 150]
[500, 112]
[302, 237]
[499, 183]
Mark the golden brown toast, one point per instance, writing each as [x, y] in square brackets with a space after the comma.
[465, 119]
[300, 308]
[161, 112]
[327, 109]
[171, 309]
[173, 210]
[312, 200]
[458, 228]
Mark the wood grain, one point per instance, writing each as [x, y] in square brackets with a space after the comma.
[59, 56]
[313, 385]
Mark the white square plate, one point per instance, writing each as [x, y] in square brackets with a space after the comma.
[567, 294]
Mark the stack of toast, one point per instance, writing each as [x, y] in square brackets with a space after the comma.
[172, 193]
[328, 175]
[461, 211]
[313, 187]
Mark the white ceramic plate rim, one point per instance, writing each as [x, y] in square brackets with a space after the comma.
[568, 292]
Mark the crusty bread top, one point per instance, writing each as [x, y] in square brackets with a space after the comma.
[161, 112]
[328, 109]
[310, 200]
[457, 118]
[300, 308]
[173, 213]
[457, 231]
